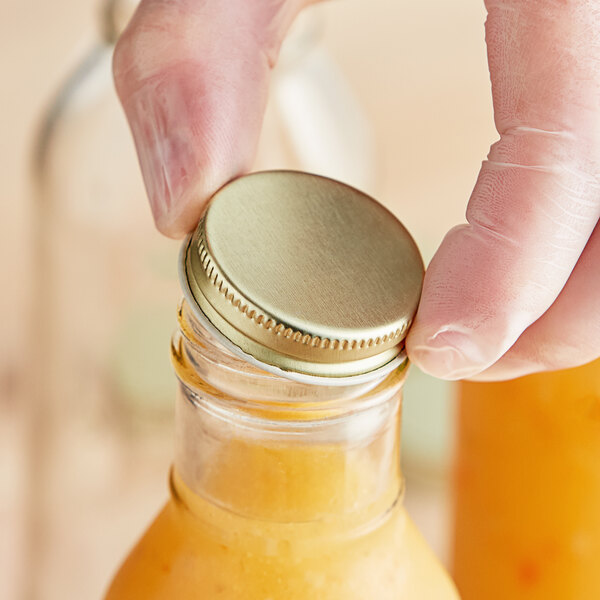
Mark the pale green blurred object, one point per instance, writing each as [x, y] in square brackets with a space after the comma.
[427, 431]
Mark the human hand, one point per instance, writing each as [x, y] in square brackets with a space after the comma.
[514, 291]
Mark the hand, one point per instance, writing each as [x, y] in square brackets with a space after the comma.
[517, 290]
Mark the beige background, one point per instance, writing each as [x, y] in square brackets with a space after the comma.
[419, 71]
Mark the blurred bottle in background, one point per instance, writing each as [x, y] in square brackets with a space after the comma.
[104, 291]
[101, 417]
[527, 518]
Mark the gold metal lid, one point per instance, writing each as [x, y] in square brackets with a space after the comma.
[303, 274]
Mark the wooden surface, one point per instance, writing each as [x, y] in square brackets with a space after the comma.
[420, 74]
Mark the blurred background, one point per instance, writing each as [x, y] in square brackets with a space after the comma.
[391, 97]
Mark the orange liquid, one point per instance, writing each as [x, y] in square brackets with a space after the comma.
[527, 520]
[196, 549]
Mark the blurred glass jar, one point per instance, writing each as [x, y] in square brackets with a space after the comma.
[526, 518]
[106, 287]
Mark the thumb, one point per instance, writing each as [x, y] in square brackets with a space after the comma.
[193, 76]
[537, 198]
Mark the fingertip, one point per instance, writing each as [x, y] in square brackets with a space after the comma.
[174, 228]
[193, 85]
[446, 352]
[465, 322]
[182, 217]
[177, 224]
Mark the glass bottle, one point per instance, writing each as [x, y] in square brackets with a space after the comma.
[527, 524]
[286, 482]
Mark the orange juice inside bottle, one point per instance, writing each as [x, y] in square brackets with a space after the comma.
[292, 494]
[286, 484]
[527, 519]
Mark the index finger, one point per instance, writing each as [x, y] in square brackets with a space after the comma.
[193, 76]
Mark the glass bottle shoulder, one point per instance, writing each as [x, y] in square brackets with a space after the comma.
[180, 555]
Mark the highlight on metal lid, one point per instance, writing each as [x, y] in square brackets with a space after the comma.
[303, 275]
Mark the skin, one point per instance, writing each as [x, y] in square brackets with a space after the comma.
[514, 291]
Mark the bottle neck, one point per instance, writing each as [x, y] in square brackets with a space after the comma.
[262, 447]
[115, 15]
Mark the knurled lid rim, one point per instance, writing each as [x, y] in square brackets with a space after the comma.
[267, 322]
[398, 361]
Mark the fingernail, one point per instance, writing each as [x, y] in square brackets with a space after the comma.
[448, 353]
